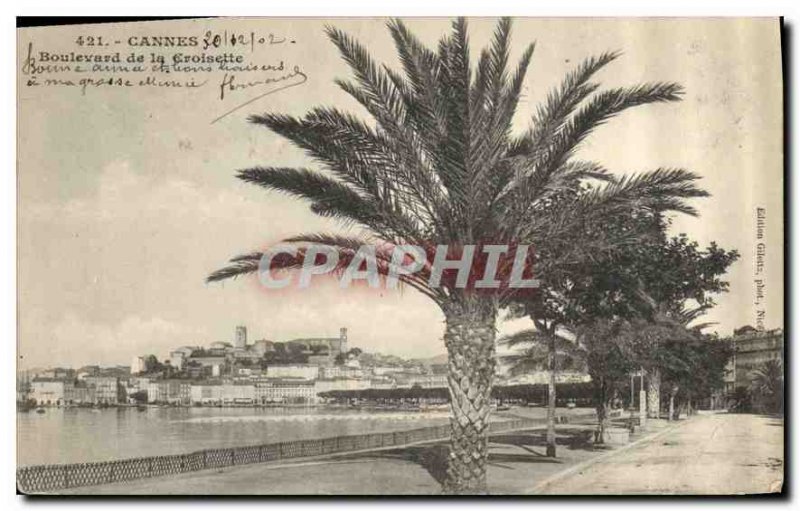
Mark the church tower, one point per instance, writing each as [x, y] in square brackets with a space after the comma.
[241, 337]
[343, 339]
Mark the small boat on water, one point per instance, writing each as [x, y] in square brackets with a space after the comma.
[40, 410]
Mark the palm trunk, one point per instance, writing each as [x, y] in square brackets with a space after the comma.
[551, 400]
[601, 408]
[672, 406]
[469, 338]
[602, 424]
[654, 393]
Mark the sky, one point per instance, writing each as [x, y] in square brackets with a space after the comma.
[128, 200]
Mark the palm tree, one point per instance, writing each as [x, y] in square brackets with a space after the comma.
[440, 166]
[544, 351]
[665, 322]
[768, 385]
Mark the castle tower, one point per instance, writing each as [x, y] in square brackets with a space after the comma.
[343, 338]
[241, 337]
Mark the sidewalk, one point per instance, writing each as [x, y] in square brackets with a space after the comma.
[710, 455]
[517, 462]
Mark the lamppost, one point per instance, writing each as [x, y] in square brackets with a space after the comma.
[642, 400]
[632, 389]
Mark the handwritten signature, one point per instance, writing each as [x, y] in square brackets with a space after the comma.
[229, 84]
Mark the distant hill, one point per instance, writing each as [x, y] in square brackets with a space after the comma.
[438, 359]
[378, 359]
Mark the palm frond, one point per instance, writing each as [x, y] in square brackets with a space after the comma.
[663, 189]
[597, 111]
[327, 196]
[535, 338]
[702, 326]
[492, 118]
[559, 105]
[398, 114]
[376, 92]
[348, 246]
[239, 265]
[529, 335]
[251, 263]
[537, 169]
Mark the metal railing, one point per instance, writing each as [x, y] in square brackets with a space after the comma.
[47, 478]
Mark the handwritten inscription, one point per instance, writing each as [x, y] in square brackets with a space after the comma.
[232, 69]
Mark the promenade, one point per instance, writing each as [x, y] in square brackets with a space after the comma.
[712, 454]
[706, 454]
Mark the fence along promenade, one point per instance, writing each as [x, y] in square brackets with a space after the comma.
[47, 478]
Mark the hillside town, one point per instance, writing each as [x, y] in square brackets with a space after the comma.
[224, 373]
[240, 373]
[298, 372]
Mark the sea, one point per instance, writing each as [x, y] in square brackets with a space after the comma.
[78, 435]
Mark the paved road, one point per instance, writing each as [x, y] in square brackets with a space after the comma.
[713, 454]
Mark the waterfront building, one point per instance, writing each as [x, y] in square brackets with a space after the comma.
[340, 372]
[107, 389]
[285, 390]
[185, 392]
[206, 393]
[23, 387]
[50, 391]
[138, 383]
[330, 384]
[164, 392]
[238, 394]
[89, 390]
[213, 393]
[80, 394]
[305, 371]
